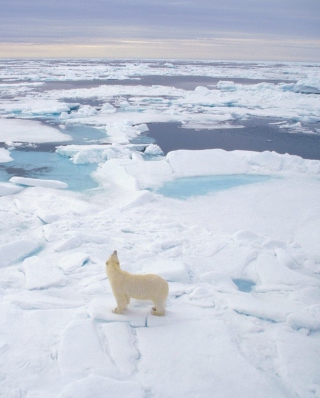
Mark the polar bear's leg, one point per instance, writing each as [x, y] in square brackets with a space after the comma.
[122, 302]
[159, 307]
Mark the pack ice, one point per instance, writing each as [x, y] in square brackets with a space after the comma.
[242, 262]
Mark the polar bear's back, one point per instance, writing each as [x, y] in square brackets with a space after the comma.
[145, 287]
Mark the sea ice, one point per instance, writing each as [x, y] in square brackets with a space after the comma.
[243, 264]
[5, 156]
[37, 182]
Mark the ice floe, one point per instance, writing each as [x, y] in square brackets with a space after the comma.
[29, 131]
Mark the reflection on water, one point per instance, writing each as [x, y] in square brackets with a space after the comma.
[184, 188]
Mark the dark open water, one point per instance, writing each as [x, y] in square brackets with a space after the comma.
[257, 135]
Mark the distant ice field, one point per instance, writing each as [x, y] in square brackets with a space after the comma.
[185, 105]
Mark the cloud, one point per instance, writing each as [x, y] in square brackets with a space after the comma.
[83, 22]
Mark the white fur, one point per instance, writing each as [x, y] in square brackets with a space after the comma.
[142, 287]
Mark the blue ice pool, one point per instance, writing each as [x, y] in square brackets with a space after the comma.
[184, 188]
[41, 161]
[244, 285]
[48, 165]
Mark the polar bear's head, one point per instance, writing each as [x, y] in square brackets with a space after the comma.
[113, 260]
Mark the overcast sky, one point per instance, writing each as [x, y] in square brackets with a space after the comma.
[206, 29]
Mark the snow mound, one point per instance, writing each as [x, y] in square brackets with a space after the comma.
[16, 251]
[98, 386]
[9, 189]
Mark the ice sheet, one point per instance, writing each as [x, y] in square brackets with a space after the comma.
[243, 264]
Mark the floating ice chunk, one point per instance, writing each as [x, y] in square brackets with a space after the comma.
[101, 387]
[143, 128]
[29, 131]
[108, 108]
[226, 85]
[306, 86]
[153, 150]
[84, 111]
[5, 156]
[40, 275]
[64, 116]
[202, 90]
[149, 174]
[114, 172]
[9, 189]
[37, 182]
[15, 251]
[122, 132]
[85, 154]
[271, 162]
[196, 163]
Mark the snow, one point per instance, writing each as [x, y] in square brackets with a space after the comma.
[29, 131]
[242, 260]
[9, 189]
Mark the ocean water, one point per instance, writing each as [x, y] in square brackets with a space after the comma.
[256, 135]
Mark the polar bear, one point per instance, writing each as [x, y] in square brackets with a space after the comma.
[142, 287]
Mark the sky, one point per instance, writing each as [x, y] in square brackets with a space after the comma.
[275, 30]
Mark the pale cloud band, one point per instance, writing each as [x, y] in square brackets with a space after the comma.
[230, 48]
